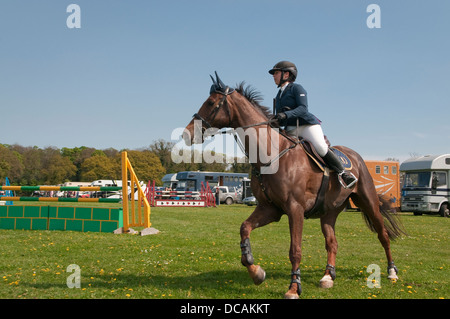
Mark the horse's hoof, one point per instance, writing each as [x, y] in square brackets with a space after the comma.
[392, 274]
[326, 282]
[290, 295]
[257, 274]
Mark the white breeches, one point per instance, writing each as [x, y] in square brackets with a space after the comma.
[311, 133]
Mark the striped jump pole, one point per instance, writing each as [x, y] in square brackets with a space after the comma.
[62, 188]
[61, 199]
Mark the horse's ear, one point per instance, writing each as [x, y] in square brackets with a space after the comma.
[214, 81]
[221, 85]
[214, 86]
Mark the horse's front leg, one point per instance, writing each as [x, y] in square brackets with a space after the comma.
[261, 216]
[295, 253]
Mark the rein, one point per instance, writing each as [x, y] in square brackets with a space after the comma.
[215, 111]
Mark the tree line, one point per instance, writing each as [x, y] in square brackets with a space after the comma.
[52, 166]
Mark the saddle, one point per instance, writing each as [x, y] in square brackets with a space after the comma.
[316, 158]
[317, 211]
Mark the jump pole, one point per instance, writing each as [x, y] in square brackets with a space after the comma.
[61, 199]
[62, 188]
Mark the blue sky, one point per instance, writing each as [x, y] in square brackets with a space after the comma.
[137, 70]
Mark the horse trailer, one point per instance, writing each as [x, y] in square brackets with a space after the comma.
[386, 178]
[192, 180]
[426, 184]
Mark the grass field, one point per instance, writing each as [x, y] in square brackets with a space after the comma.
[197, 255]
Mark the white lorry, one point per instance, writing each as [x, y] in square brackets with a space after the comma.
[426, 185]
[115, 194]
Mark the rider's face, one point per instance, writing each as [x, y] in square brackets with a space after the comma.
[277, 76]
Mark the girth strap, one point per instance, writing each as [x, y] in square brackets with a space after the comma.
[256, 173]
[317, 210]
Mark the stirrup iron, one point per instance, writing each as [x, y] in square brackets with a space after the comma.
[345, 186]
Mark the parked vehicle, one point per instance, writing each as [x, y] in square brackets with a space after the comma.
[84, 194]
[107, 182]
[426, 186]
[227, 194]
[115, 194]
[192, 180]
[250, 201]
[246, 188]
[170, 181]
[386, 178]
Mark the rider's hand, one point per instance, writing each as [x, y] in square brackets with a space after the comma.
[281, 117]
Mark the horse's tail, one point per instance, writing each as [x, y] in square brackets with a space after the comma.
[392, 223]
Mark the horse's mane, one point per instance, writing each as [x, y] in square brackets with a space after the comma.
[254, 97]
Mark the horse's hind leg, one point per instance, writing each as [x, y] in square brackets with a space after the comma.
[261, 216]
[369, 204]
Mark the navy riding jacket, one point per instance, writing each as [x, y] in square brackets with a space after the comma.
[294, 97]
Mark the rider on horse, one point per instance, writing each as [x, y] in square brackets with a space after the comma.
[291, 108]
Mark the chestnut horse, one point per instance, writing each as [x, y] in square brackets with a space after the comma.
[293, 186]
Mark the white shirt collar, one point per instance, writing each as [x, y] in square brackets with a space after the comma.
[284, 86]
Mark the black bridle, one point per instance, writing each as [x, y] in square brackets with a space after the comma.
[219, 87]
[215, 111]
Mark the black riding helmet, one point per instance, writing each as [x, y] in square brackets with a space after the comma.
[285, 66]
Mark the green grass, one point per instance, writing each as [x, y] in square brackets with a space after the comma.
[197, 255]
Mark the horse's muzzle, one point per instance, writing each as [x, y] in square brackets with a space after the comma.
[187, 137]
[190, 138]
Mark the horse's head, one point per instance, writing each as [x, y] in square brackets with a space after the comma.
[214, 113]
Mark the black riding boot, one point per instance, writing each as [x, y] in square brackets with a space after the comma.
[346, 178]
